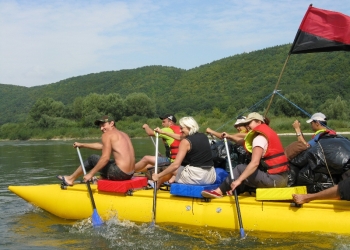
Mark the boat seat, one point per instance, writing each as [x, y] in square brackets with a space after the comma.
[122, 186]
[194, 191]
[275, 194]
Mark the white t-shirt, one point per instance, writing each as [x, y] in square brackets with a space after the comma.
[260, 141]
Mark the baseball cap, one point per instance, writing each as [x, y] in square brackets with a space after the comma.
[169, 116]
[103, 119]
[254, 116]
[317, 117]
[240, 120]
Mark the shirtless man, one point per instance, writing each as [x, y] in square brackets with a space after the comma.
[114, 142]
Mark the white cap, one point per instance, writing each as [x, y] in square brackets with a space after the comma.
[240, 121]
[317, 117]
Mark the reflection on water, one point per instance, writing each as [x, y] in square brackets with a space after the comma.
[26, 227]
[40, 230]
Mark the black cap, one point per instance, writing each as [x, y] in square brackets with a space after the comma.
[103, 119]
[169, 116]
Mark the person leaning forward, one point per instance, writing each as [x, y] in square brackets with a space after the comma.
[113, 142]
[268, 166]
[171, 144]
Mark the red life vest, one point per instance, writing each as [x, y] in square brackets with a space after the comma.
[274, 159]
[174, 147]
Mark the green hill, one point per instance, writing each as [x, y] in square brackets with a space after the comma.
[235, 82]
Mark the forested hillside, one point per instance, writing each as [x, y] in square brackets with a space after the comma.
[228, 85]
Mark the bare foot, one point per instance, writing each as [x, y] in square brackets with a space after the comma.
[172, 179]
[301, 198]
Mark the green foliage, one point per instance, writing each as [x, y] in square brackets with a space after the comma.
[139, 104]
[215, 93]
[46, 107]
[77, 107]
[231, 84]
[115, 106]
[336, 108]
[283, 107]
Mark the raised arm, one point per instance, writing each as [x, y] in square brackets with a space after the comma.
[148, 130]
[300, 136]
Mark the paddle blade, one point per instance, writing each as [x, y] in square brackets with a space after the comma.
[96, 220]
[242, 233]
[152, 224]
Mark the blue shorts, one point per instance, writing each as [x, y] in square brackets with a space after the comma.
[163, 160]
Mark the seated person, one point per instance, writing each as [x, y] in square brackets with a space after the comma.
[237, 152]
[114, 142]
[318, 122]
[268, 166]
[241, 128]
[171, 144]
[193, 163]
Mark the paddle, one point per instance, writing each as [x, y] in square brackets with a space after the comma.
[235, 191]
[96, 220]
[155, 184]
[155, 145]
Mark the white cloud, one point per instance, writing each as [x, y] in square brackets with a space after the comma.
[42, 42]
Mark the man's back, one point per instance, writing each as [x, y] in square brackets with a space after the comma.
[123, 150]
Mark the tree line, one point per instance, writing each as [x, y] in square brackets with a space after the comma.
[228, 85]
[49, 118]
[49, 113]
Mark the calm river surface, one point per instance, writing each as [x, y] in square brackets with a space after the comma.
[26, 227]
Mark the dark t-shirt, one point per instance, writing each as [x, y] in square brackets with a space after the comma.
[200, 154]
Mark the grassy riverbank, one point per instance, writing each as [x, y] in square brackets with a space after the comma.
[133, 127]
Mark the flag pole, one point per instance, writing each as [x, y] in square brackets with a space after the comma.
[278, 82]
[285, 63]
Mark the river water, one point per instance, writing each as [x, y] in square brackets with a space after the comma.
[24, 226]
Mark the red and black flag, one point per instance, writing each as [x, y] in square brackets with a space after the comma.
[322, 31]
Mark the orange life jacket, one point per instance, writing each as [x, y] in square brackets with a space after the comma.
[274, 159]
[174, 147]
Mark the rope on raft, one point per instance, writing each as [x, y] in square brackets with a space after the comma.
[253, 107]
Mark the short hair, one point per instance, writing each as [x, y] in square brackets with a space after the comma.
[190, 123]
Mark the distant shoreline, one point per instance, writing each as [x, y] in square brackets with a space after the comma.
[339, 133]
[98, 138]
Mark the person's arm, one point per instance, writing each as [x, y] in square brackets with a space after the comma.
[148, 130]
[213, 132]
[95, 146]
[237, 138]
[172, 135]
[299, 134]
[183, 148]
[106, 154]
[251, 167]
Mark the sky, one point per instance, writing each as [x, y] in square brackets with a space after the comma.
[46, 41]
